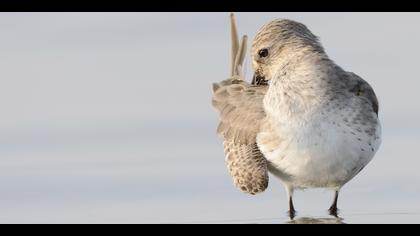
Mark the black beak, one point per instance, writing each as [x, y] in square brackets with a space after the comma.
[258, 79]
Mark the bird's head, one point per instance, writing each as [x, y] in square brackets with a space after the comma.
[277, 43]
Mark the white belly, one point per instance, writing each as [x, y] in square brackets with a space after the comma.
[320, 153]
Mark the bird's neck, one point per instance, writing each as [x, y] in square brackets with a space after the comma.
[299, 84]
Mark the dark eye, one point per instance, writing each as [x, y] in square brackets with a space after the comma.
[263, 52]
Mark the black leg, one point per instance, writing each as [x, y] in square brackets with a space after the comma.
[333, 209]
[292, 211]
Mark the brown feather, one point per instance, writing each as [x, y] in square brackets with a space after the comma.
[240, 106]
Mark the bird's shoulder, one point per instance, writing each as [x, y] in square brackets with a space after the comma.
[358, 87]
[355, 86]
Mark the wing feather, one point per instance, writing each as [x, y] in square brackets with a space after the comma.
[240, 106]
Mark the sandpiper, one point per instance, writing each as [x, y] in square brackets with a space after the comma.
[303, 118]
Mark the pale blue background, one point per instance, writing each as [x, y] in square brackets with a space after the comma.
[106, 118]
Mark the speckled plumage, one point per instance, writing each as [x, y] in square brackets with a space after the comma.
[239, 104]
[313, 125]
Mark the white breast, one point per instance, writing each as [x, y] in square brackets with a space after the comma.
[317, 150]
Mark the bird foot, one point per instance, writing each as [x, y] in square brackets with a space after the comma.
[333, 211]
[292, 214]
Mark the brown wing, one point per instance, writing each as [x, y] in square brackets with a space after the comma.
[240, 106]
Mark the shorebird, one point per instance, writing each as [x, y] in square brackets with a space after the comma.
[302, 118]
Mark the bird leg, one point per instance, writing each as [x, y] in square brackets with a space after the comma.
[292, 212]
[333, 209]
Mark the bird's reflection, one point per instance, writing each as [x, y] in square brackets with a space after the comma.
[311, 220]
